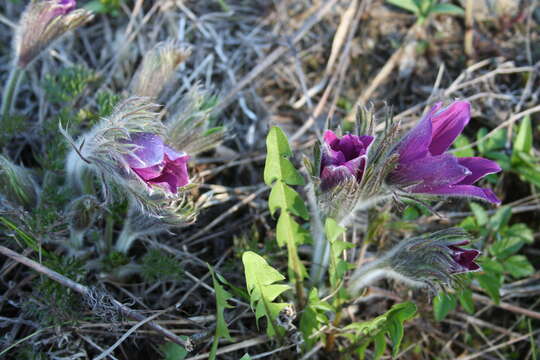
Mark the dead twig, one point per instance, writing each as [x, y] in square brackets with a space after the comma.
[87, 292]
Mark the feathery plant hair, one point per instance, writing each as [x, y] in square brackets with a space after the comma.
[157, 68]
[188, 126]
[422, 261]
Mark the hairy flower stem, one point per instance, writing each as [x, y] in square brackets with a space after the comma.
[321, 252]
[125, 239]
[10, 92]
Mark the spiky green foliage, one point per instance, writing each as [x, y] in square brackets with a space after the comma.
[159, 266]
[68, 84]
[261, 281]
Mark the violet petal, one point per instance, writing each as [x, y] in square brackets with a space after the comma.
[332, 175]
[174, 174]
[447, 124]
[149, 151]
[431, 171]
[465, 191]
[479, 167]
[415, 144]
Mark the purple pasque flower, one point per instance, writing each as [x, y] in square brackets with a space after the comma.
[424, 164]
[343, 158]
[156, 163]
[463, 259]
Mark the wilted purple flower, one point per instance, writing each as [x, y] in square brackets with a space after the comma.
[424, 165]
[343, 158]
[156, 163]
[463, 258]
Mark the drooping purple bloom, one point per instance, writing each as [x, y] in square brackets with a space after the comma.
[463, 258]
[156, 163]
[343, 158]
[424, 164]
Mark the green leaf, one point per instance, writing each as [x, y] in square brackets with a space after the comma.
[524, 138]
[284, 197]
[390, 323]
[380, 345]
[446, 9]
[442, 305]
[480, 213]
[500, 218]
[338, 266]
[466, 300]
[491, 283]
[290, 233]
[332, 229]
[172, 351]
[245, 357]
[409, 5]
[222, 296]
[511, 240]
[278, 166]
[518, 266]
[462, 142]
[313, 318]
[260, 283]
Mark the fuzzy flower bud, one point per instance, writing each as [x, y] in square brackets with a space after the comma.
[426, 261]
[425, 167]
[82, 212]
[157, 68]
[42, 22]
[17, 184]
[343, 158]
[131, 149]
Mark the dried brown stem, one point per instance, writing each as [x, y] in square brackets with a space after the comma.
[85, 291]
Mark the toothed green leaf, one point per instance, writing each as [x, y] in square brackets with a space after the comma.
[261, 284]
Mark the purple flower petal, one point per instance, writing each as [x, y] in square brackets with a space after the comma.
[465, 191]
[342, 158]
[430, 172]
[63, 7]
[447, 124]
[479, 167]
[174, 174]
[464, 258]
[333, 175]
[149, 151]
[415, 144]
[156, 163]
[149, 172]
